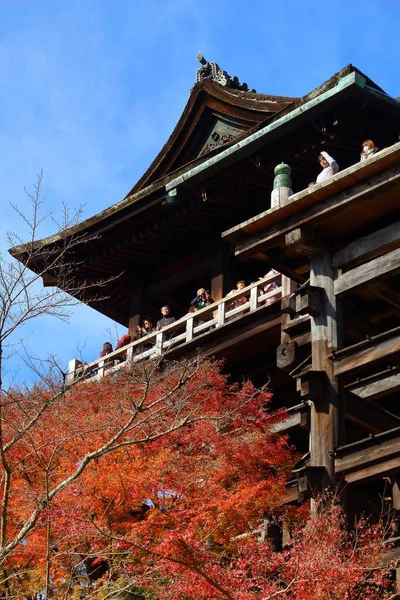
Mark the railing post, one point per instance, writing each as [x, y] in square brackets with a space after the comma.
[73, 366]
[221, 314]
[159, 343]
[129, 354]
[253, 298]
[189, 329]
[100, 371]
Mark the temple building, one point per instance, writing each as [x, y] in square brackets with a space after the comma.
[229, 198]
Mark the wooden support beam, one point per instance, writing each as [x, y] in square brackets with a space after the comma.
[376, 388]
[383, 265]
[373, 457]
[370, 246]
[304, 243]
[288, 287]
[324, 411]
[381, 469]
[368, 353]
[274, 230]
[384, 292]
[368, 416]
[308, 301]
[135, 308]
[310, 482]
[221, 272]
[298, 417]
[288, 305]
[195, 269]
[297, 325]
[395, 480]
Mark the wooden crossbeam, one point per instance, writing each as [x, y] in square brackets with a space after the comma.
[383, 265]
[369, 246]
[370, 458]
[372, 390]
[377, 471]
[368, 416]
[368, 353]
[298, 417]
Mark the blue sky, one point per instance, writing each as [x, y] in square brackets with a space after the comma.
[91, 91]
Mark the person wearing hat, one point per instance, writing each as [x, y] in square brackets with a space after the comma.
[202, 299]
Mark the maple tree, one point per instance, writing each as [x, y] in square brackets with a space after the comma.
[155, 483]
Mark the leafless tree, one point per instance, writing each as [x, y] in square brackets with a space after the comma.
[23, 297]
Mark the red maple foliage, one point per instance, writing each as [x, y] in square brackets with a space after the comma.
[157, 483]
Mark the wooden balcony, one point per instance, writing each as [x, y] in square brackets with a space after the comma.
[189, 332]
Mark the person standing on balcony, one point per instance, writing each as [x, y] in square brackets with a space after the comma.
[329, 167]
[166, 319]
[368, 149]
[268, 287]
[146, 328]
[107, 349]
[239, 300]
[202, 300]
[123, 341]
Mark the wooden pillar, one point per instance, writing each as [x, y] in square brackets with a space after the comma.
[221, 274]
[136, 307]
[396, 492]
[288, 287]
[324, 406]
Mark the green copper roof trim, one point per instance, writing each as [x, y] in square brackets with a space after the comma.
[249, 144]
[382, 96]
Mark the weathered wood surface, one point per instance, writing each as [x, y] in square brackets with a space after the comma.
[370, 452]
[383, 468]
[324, 410]
[383, 265]
[370, 246]
[298, 417]
[396, 492]
[302, 242]
[367, 353]
[286, 354]
[221, 276]
[354, 174]
[368, 416]
[294, 326]
[288, 287]
[136, 307]
[187, 273]
[274, 234]
[308, 301]
[372, 390]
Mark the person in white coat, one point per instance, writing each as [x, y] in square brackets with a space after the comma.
[329, 167]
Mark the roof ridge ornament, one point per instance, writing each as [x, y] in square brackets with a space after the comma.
[212, 72]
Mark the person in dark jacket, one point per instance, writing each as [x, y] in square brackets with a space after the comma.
[202, 299]
[142, 331]
[166, 319]
[146, 328]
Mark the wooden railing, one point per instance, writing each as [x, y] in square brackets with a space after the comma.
[183, 331]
